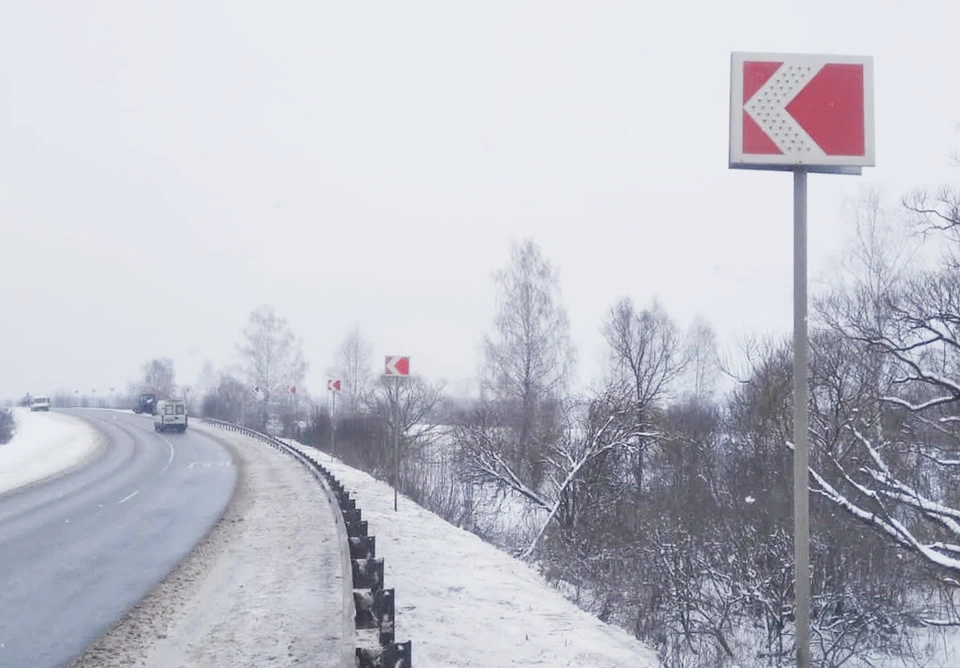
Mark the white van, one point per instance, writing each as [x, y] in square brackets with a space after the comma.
[171, 415]
[39, 403]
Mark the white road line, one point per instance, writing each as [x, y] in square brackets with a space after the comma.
[170, 459]
[129, 496]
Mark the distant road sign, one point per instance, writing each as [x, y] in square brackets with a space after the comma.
[801, 110]
[397, 366]
[333, 385]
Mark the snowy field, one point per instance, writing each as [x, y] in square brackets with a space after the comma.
[45, 445]
[465, 603]
[263, 589]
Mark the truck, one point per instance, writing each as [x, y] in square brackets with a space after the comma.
[171, 415]
[146, 403]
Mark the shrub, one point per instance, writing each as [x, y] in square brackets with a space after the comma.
[8, 427]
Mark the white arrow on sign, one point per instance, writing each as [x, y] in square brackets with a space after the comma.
[768, 107]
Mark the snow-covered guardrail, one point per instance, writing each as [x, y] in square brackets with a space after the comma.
[368, 609]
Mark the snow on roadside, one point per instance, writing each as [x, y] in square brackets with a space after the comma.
[45, 445]
[465, 603]
[263, 589]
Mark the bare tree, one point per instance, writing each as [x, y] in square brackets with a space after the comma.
[159, 376]
[605, 426]
[226, 400]
[406, 409]
[646, 357]
[907, 445]
[938, 211]
[354, 362]
[271, 356]
[646, 353]
[414, 399]
[703, 362]
[529, 358]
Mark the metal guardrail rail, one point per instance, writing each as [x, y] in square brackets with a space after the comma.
[367, 606]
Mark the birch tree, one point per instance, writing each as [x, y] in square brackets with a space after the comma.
[529, 358]
[271, 356]
[159, 375]
[646, 357]
[354, 361]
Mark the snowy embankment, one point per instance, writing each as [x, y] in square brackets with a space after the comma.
[465, 603]
[263, 589]
[46, 445]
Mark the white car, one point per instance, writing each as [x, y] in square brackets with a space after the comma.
[39, 403]
[171, 415]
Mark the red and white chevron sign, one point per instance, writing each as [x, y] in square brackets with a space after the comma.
[800, 110]
[397, 366]
[333, 385]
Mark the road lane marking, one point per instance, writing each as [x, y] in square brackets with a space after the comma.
[129, 496]
[208, 465]
[170, 459]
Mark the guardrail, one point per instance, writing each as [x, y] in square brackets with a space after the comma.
[369, 610]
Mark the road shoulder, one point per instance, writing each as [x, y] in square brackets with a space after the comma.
[264, 586]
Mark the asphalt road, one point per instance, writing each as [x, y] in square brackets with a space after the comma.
[78, 552]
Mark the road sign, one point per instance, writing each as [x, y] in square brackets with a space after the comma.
[801, 110]
[333, 385]
[293, 389]
[397, 366]
[801, 113]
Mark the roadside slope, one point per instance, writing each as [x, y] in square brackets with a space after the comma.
[45, 446]
[466, 604]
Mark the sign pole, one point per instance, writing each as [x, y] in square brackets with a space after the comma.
[333, 423]
[396, 441]
[398, 367]
[805, 113]
[801, 452]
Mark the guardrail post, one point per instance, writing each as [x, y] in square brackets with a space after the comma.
[356, 529]
[385, 611]
[367, 573]
[398, 655]
[363, 547]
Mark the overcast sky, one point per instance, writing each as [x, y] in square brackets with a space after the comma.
[166, 167]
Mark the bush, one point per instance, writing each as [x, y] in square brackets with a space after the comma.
[8, 427]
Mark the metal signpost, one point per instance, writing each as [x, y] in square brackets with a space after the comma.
[333, 387]
[805, 114]
[396, 367]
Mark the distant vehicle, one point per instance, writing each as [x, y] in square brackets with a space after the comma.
[146, 403]
[171, 415]
[40, 403]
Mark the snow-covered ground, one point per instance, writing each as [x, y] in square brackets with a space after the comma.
[263, 589]
[45, 445]
[465, 603]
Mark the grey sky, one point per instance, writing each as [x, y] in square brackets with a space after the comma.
[167, 167]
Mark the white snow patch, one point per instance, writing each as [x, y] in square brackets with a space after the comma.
[45, 445]
[465, 603]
